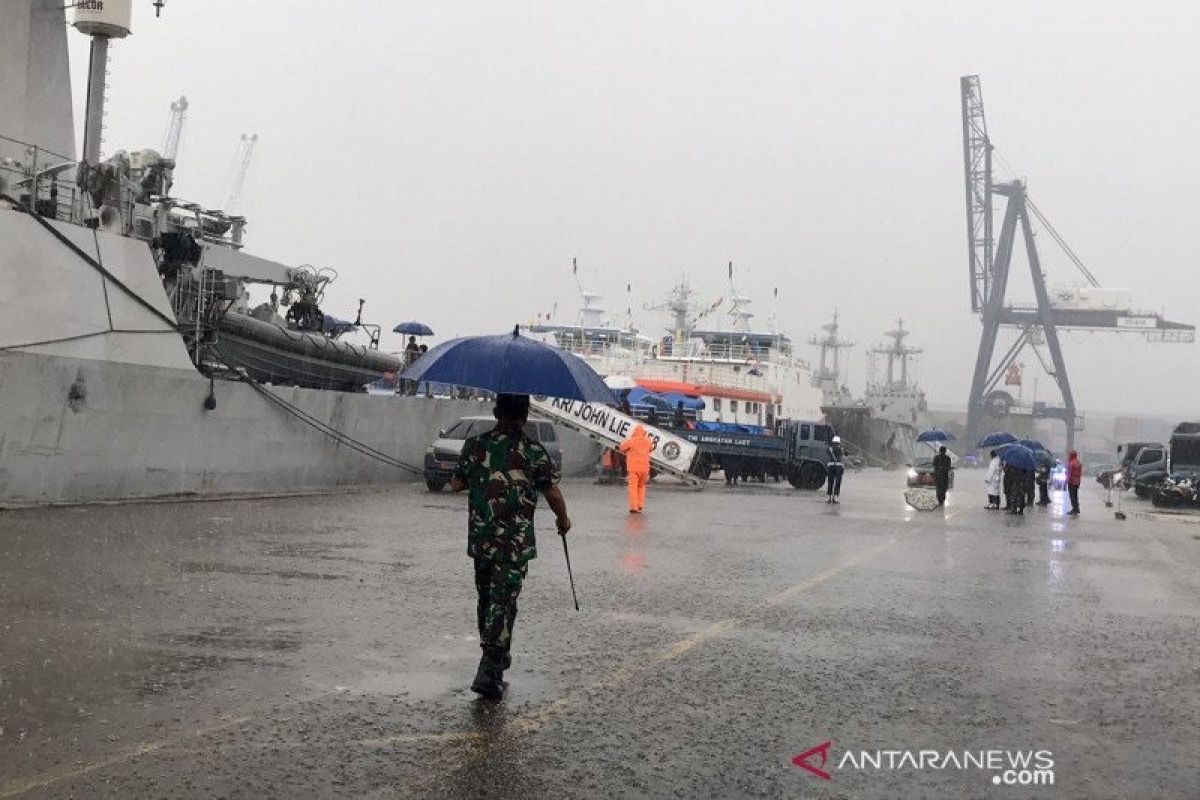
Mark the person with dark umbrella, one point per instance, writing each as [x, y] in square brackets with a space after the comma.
[941, 474]
[1043, 484]
[504, 471]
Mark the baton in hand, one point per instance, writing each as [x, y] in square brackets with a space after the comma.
[567, 553]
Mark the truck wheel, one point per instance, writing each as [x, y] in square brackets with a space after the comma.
[809, 475]
[434, 484]
[812, 474]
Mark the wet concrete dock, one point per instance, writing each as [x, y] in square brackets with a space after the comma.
[321, 646]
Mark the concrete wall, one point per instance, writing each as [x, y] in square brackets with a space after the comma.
[76, 430]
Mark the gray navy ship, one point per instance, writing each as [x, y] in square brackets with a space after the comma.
[881, 427]
[131, 361]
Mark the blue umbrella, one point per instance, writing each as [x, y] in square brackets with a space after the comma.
[1019, 456]
[510, 364]
[935, 436]
[996, 439]
[1033, 444]
[413, 329]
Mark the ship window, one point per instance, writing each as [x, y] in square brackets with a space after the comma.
[716, 404]
[733, 406]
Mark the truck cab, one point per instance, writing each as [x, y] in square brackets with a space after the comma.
[1147, 469]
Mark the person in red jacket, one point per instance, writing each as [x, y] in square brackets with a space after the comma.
[1074, 478]
[637, 457]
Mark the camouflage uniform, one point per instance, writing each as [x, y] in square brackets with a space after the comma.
[504, 471]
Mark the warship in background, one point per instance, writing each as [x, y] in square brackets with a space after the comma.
[882, 426]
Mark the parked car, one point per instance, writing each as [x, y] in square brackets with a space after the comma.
[920, 473]
[442, 455]
[1058, 477]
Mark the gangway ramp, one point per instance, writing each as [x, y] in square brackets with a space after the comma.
[608, 426]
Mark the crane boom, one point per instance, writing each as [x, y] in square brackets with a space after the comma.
[977, 169]
[174, 131]
[241, 163]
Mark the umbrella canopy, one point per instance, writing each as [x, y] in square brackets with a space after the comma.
[413, 329]
[1019, 456]
[619, 382]
[510, 364]
[996, 439]
[1033, 444]
[935, 436]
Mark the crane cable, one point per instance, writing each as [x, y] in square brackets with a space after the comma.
[1054, 234]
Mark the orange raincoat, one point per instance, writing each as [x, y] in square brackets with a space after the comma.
[637, 460]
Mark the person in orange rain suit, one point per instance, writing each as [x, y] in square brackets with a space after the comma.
[637, 458]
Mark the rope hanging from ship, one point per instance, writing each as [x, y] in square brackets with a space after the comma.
[332, 432]
[300, 414]
[99, 267]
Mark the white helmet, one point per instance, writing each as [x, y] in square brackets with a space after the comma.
[837, 440]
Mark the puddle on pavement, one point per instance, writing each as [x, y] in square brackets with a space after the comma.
[209, 567]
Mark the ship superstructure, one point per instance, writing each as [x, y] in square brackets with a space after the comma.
[741, 372]
[881, 426]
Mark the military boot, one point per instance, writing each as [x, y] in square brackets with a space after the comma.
[488, 681]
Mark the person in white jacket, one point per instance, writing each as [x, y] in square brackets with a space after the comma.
[994, 475]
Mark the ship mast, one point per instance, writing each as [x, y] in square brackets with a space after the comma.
[898, 355]
[737, 305]
[101, 23]
[829, 375]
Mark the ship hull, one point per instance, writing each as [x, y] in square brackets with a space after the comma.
[881, 442]
[77, 430]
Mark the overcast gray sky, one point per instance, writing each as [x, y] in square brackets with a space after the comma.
[449, 159]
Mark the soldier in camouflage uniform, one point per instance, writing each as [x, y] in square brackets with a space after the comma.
[504, 470]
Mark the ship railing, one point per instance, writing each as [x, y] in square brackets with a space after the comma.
[733, 353]
[34, 181]
[731, 376]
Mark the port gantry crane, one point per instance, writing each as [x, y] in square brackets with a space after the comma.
[990, 268]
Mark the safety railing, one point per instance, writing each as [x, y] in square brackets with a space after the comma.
[33, 180]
